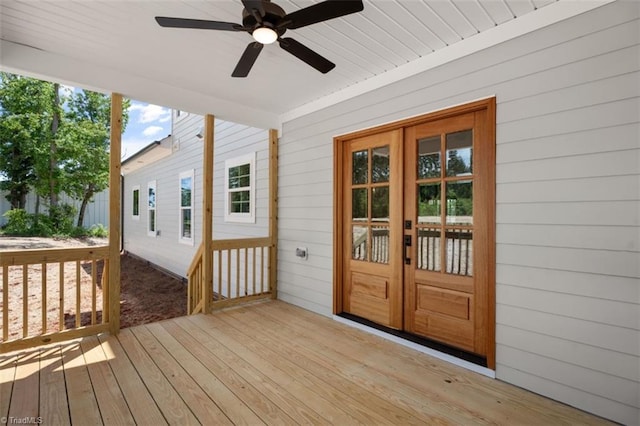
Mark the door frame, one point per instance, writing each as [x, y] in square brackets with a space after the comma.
[489, 105]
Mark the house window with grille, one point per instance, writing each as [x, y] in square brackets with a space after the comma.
[240, 189]
[152, 226]
[135, 199]
[185, 181]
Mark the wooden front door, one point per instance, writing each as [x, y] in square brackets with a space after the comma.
[415, 208]
[373, 235]
[448, 210]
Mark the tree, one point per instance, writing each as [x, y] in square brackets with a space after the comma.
[86, 144]
[26, 114]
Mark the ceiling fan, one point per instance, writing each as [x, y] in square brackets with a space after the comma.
[267, 22]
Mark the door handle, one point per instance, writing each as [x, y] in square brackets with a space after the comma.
[407, 245]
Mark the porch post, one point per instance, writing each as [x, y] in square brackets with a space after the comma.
[114, 214]
[207, 213]
[273, 212]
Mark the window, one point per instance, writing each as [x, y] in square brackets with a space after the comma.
[239, 182]
[185, 181]
[152, 225]
[135, 198]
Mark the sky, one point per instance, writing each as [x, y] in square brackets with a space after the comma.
[147, 123]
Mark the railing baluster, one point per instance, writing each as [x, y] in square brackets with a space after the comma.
[5, 303]
[246, 271]
[261, 269]
[253, 275]
[44, 297]
[219, 274]
[237, 272]
[94, 289]
[61, 325]
[25, 300]
[78, 294]
[105, 291]
[228, 273]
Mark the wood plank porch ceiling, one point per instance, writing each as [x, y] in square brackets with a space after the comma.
[268, 363]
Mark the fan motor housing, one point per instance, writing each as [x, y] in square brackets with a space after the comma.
[272, 15]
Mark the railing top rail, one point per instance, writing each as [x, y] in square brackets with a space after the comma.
[241, 243]
[197, 259]
[35, 256]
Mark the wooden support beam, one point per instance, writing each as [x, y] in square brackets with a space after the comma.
[207, 213]
[114, 213]
[273, 212]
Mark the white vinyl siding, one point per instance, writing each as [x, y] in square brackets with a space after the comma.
[568, 200]
[185, 207]
[231, 140]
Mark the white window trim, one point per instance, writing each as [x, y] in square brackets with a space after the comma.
[133, 190]
[154, 233]
[181, 239]
[234, 162]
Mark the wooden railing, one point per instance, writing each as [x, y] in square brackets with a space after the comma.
[195, 286]
[242, 271]
[53, 295]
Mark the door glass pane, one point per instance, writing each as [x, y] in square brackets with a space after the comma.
[428, 249]
[459, 244]
[359, 204]
[360, 167]
[380, 244]
[429, 203]
[380, 164]
[380, 204]
[460, 203]
[429, 157]
[459, 153]
[359, 242]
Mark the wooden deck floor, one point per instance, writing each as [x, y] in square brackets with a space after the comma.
[267, 363]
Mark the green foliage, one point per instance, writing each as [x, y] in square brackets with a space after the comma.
[61, 219]
[98, 231]
[17, 222]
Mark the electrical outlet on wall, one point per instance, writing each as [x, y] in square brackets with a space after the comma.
[302, 252]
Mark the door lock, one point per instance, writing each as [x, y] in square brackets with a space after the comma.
[407, 245]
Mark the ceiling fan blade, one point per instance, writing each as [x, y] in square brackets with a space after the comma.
[200, 24]
[247, 60]
[254, 6]
[307, 55]
[319, 12]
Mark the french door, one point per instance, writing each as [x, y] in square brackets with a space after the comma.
[417, 228]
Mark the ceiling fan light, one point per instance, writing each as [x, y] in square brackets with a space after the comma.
[264, 35]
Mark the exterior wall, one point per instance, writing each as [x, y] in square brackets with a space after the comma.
[165, 249]
[568, 200]
[97, 211]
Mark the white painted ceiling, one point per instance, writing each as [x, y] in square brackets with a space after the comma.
[117, 46]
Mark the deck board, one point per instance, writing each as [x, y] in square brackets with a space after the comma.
[266, 363]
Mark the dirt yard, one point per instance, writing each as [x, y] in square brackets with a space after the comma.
[147, 295]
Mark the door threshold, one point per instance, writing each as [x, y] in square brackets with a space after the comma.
[454, 356]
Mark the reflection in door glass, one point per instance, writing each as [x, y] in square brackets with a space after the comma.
[429, 157]
[359, 242]
[380, 204]
[429, 203]
[380, 244]
[359, 204]
[429, 249]
[360, 167]
[459, 153]
[460, 203]
[380, 164]
[459, 243]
